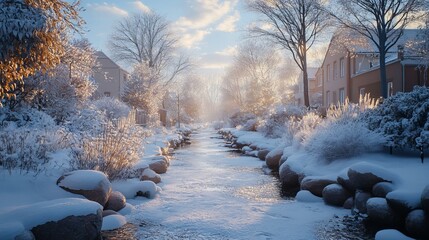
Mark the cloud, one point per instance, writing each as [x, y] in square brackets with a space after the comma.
[229, 51]
[189, 39]
[205, 12]
[228, 25]
[108, 8]
[139, 5]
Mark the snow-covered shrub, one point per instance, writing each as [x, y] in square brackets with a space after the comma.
[274, 125]
[350, 111]
[88, 121]
[114, 151]
[403, 119]
[300, 129]
[342, 139]
[112, 108]
[27, 136]
[241, 118]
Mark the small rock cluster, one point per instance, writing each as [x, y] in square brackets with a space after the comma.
[366, 189]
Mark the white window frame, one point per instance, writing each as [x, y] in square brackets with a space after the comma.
[341, 96]
[342, 68]
[390, 89]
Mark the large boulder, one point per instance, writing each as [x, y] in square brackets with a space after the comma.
[343, 180]
[315, 185]
[150, 175]
[64, 218]
[262, 154]
[71, 228]
[361, 198]
[116, 201]
[391, 234]
[364, 176]
[273, 158]
[289, 179]
[159, 166]
[335, 194]
[425, 200]
[381, 215]
[403, 202]
[417, 224]
[93, 185]
[381, 189]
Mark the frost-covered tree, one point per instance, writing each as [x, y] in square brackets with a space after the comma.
[32, 39]
[293, 24]
[147, 38]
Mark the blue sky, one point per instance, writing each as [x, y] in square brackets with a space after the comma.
[209, 30]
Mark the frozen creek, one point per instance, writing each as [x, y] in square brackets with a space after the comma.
[211, 193]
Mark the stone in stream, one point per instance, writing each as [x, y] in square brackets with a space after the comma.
[315, 184]
[335, 194]
[381, 215]
[159, 166]
[417, 224]
[116, 201]
[262, 154]
[273, 158]
[360, 200]
[91, 184]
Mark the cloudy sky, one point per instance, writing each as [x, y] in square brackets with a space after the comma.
[209, 30]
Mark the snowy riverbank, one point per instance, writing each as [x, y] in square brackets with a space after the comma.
[403, 196]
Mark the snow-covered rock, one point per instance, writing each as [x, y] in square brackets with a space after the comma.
[262, 154]
[364, 175]
[349, 203]
[150, 175]
[425, 200]
[113, 221]
[417, 224]
[91, 184]
[315, 184]
[288, 177]
[116, 201]
[132, 188]
[159, 166]
[108, 212]
[403, 201]
[360, 200]
[307, 196]
[391, 234]
[343, 180]
[335, 194]
[56, 219]
[381, 189]
[273, 158]
[381, 214]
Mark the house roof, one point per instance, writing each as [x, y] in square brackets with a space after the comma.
[106, 62]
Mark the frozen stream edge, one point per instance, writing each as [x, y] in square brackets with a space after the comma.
[209, 193]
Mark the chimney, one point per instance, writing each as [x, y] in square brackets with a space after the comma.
[400, 52]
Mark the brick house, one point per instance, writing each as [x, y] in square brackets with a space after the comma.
[350, 68]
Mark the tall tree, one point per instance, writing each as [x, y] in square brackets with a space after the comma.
[147, 38]
[295, 25]
[32, 38]
[381, 21]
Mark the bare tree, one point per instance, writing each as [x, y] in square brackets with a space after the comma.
[382, 22]
[146, 38]
[295, 25]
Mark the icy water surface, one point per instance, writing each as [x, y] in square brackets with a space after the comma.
[212, 193]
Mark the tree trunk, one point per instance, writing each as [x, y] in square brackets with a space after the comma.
[383, 75]
[305, 79]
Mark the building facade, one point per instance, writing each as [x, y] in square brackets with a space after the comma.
[314, 88]
[109, 77]
[351, 69]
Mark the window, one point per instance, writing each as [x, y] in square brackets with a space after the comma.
[334, 97]
[125, 77]
[328, 98]
[328, 71]
[334, 71]
[342, 96]
[362, 92]
[107, 94]
[389, 89]
[342, 67]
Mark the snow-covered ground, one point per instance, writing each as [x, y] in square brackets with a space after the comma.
[210, 193]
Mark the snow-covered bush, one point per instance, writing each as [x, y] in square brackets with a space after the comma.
[88, 121]
[112, 108]
[241, 118]
[342, 139]
[300, 129]
[403, 119]
[274, 125]
[27, 136]
[114, 151]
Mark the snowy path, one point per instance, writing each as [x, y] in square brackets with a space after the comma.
[209, 193]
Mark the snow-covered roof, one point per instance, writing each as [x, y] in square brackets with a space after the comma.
[106, 62]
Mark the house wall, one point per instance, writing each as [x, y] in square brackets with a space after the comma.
[332, 79]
